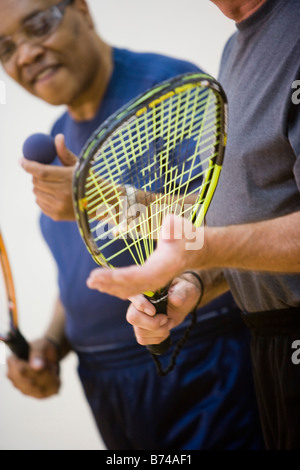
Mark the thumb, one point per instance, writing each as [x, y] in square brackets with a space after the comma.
[65, 155]
[37, 360]
[178, 293]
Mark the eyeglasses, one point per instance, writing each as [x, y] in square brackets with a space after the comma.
[36, 29]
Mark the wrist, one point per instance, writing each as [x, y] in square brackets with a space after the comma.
[221, 247]
[198, 253]
[55, 345]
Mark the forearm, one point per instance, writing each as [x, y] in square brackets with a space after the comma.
[56, 330]
[272, 246]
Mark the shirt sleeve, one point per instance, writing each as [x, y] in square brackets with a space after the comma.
[294, 134]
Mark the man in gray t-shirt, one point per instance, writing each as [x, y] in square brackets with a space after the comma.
[252, 240]
[261, 176]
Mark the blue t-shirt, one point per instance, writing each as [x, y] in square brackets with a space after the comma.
[96, 321]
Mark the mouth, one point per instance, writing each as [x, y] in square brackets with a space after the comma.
[44, 75]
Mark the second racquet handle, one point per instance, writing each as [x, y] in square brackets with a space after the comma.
[18, 345]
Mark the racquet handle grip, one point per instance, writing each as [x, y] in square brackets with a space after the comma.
[160, 301]
[160, 348]
[18, 345]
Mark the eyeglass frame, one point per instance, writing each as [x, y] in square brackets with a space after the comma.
[58, 12]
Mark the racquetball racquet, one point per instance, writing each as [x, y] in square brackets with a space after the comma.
[9, 330]
[162, 153]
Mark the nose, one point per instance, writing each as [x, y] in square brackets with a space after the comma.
[28, 53]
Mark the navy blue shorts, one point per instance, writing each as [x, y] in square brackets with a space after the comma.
[206, 402]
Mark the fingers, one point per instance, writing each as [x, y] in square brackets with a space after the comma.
[148, 329]
[18, 372]
[145, 337]
[54, 206]
[52, 186]
[151, 328]
[38, 383]
[147, 322]
[65, 155]
[44, 173]
[39, 377]
[38, 170]
[42, 186]
[143, 305]
[133, 280]
[122, 282]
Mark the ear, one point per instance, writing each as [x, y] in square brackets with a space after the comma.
[83, 8]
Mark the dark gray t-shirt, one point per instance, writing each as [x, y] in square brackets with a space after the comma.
[260, 179]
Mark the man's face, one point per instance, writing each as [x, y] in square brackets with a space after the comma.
[59, 68]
